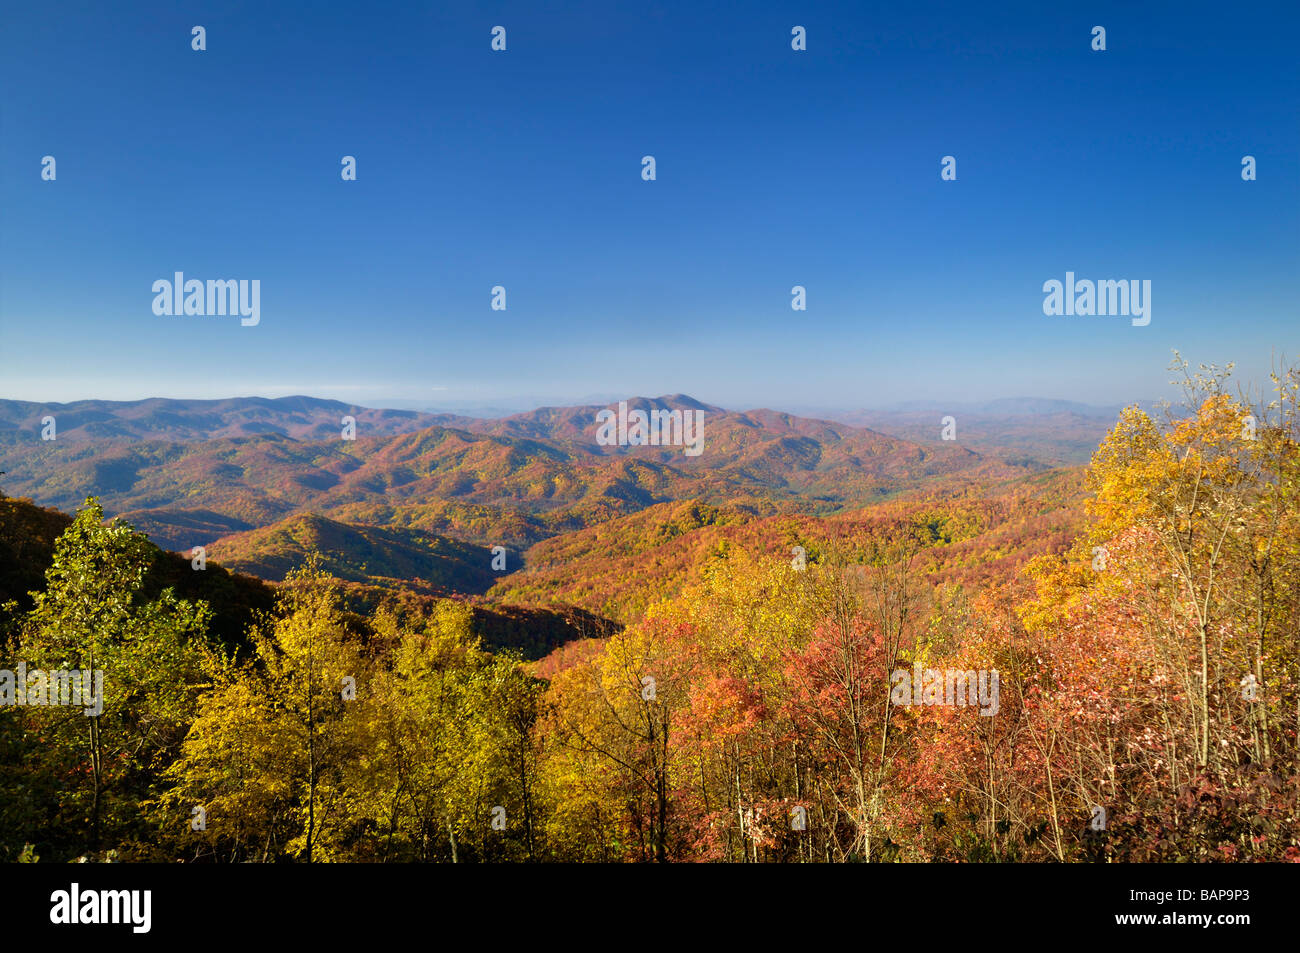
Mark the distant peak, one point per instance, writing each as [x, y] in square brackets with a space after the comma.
[668, 402]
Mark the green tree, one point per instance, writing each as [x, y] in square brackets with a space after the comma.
[90, 618]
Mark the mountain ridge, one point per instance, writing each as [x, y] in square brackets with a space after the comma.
[509, 482]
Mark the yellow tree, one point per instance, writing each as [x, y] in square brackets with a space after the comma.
[267, 756]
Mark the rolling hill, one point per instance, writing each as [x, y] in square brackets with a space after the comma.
[27, 539]
[402, 558]
[538, 475]
[971, 535]
[180, 421]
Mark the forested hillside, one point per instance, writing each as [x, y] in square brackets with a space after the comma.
[975, 535]
[516, 482]
[1105, 659]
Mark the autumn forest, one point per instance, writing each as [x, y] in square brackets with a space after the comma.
[491, 641]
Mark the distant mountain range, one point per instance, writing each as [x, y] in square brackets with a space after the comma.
[417, 500]
[190, 472]
[1058, 431]
[182, 421]
[1006, 407]
[1033, 429]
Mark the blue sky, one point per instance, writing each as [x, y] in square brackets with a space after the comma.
[522, 169]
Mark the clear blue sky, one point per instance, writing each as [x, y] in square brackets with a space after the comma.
[522, 168]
